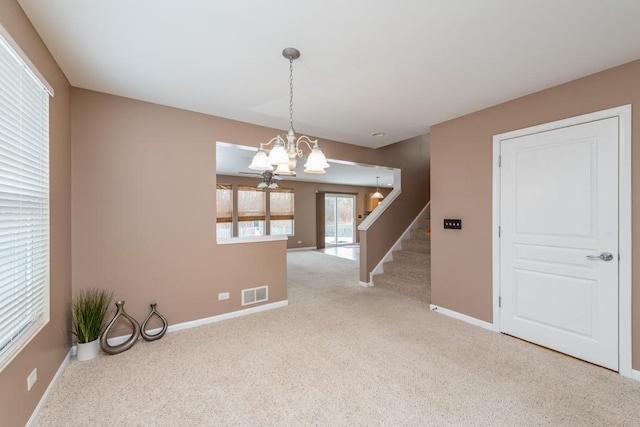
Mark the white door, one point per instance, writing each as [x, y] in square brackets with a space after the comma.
[559, 222]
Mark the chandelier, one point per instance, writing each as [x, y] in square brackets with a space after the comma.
[268, 180]
[377, 194]
[286, 149]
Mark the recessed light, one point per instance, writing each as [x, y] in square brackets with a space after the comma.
[379, 134]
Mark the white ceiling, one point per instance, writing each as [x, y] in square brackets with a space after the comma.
[366, 66]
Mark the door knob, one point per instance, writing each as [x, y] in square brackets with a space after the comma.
[604, 256]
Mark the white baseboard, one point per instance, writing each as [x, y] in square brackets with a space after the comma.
[365, 284]
[307, 248]
[47, 392]
[464, 317]
[635, 375]
[192, 324]
[226, 316]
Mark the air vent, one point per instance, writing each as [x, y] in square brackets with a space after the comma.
[255, 295]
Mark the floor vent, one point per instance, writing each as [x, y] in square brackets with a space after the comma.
[255, 295]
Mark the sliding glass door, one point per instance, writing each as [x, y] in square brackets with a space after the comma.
[340, 219]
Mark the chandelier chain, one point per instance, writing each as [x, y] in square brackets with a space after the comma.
[290, 93]
[289, 146]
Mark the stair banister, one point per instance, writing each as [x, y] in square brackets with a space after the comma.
[367, 266]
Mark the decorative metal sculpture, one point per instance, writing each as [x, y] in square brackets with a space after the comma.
[115, 349]
[158, 335]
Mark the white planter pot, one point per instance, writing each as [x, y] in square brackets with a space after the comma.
[88, 351]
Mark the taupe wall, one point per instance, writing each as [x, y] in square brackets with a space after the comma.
[143, 204]
[412, 157]
[461, 185]
[47, 351]
[305, 204]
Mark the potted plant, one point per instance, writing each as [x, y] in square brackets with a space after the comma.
[89, 309]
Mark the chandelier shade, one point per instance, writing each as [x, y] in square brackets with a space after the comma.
[284, 155]
[317, 162]
[377, 194]
[284, 169]
[278, 155]
[260, 161]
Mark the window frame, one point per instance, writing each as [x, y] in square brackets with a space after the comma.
[266, 218]
[27, 294]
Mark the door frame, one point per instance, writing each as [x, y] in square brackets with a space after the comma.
[623, 113]
[353, 196]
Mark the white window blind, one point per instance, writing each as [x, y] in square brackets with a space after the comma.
[24, 200]
[252, 211]
[281, 210]
[224, 202]
[251, 204]
[224, 210]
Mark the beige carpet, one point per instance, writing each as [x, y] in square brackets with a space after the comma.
[339, 355]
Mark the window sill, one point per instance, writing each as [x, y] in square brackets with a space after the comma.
[249, 239]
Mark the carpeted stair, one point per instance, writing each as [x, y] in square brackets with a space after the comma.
[410, 271]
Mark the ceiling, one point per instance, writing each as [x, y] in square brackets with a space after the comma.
[367, 66]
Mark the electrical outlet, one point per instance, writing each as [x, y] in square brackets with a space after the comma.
[299, 242]
[223, 296]
[32, 378]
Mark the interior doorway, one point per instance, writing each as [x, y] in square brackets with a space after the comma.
[562, 240]
[556, 288]
[339, 219]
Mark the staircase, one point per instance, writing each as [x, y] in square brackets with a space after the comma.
[409, 272]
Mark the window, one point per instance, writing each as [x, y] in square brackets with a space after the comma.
[252, 211]
[339, 219]
[256, 212]
[281, 211]
[224, 207]
[24, 200]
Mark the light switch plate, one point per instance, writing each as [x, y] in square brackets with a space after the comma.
[454, 224]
